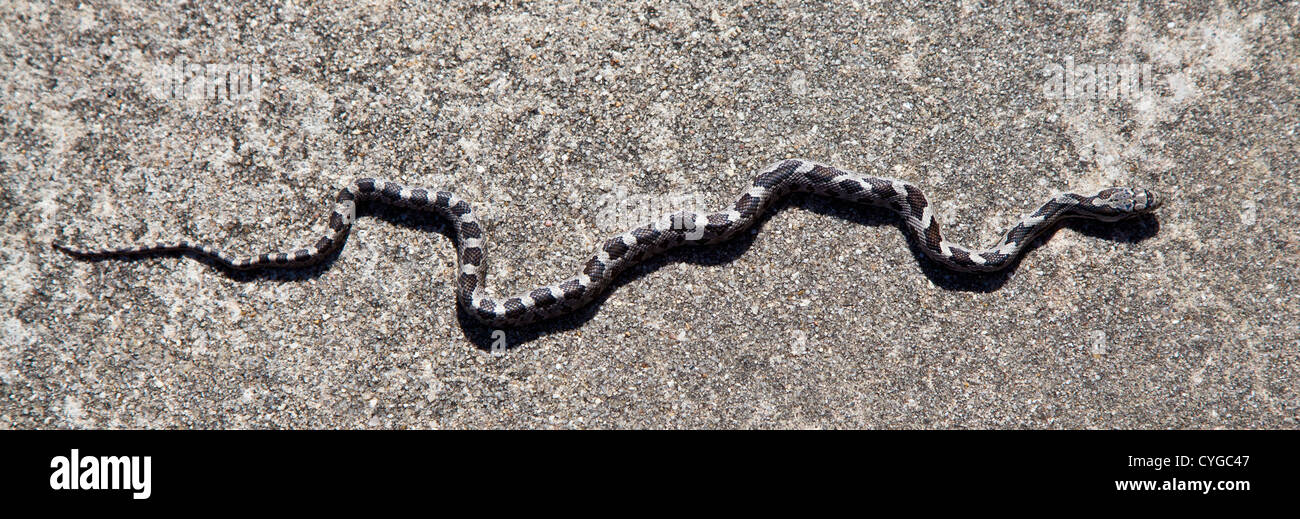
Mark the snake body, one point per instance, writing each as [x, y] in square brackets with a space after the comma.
[619, 252]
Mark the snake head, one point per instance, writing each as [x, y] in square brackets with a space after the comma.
[1144, 200]
[1117, 203]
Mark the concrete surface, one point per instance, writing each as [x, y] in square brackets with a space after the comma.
[543, 112]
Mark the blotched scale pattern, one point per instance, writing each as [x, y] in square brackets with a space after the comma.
[619, 252]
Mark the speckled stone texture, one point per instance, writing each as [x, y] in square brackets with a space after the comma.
[823, 318]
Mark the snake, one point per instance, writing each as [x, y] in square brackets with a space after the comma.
[684, 227]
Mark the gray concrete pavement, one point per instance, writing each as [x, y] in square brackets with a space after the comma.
[546, 114]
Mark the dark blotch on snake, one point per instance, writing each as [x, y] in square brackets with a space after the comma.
[594, 269]
[821, 174]
[419, 197]
[915, 200]
[882, 189]
[716, 221]
[543, 297]
[514, 307]
[471, 230]
[772, 178]
[572, 289]
[468, 282]
[615, 248]
[746, 206]
[392, 192]
[645, 235]
[932, 237]
[1017, 234]
[472, 256]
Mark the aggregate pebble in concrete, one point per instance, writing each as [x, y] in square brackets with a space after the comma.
[824, 318]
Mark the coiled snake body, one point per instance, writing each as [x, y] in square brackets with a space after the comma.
[669, 231]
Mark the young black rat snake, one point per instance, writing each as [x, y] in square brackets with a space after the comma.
[669, 231]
